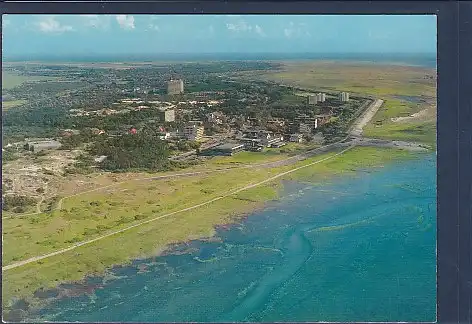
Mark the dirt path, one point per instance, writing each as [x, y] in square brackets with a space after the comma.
[43, 197]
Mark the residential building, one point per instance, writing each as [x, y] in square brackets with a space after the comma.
[175, 87]
[296, 138]
[168, 115]
[43, 145]
[306, 124]
[305, 128]
[344, 96]
[193, 132]
[251, 133]
[100, 159]
[216, 118]
[69, 132]
[272, 141]
[164, 135]
[312, 99]
[321, 97]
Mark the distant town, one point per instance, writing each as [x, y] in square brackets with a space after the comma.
[235, 133]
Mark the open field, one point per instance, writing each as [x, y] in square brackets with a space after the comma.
[362, 78]
[11, 80]
[12, 103]
[407, 121]
[89, 215]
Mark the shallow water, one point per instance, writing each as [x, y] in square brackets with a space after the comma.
[361, 248]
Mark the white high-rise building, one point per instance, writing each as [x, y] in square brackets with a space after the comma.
[168, 115]
[321, 97]
[344, 96]
[175, 87]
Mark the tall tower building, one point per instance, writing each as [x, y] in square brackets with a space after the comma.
[344, 96]
[175, 87]
[321, 97]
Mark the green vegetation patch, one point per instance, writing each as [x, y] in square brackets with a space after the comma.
[12, 103]
[12, 80]
[424, 132]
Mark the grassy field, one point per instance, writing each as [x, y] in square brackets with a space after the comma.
[419, 129]
[12, 103]
[11, 80]
[377, 80]
[90, 215]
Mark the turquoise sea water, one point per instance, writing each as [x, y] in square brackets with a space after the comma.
[361, 248]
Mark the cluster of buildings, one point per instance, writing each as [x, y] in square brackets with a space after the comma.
[100, 112]
[314, 99]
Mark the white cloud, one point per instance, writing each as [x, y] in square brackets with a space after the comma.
[49, 24]
[96, 21]
[296, 30]
[125, 21]
[259, 31]
[239, 26]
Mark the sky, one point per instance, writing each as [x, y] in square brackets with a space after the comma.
[164, 34]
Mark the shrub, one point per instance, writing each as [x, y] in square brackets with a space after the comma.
[12, 202]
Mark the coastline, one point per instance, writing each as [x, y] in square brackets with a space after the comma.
[89, 284]
[232, 210]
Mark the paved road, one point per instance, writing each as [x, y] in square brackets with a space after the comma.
[365, 118]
